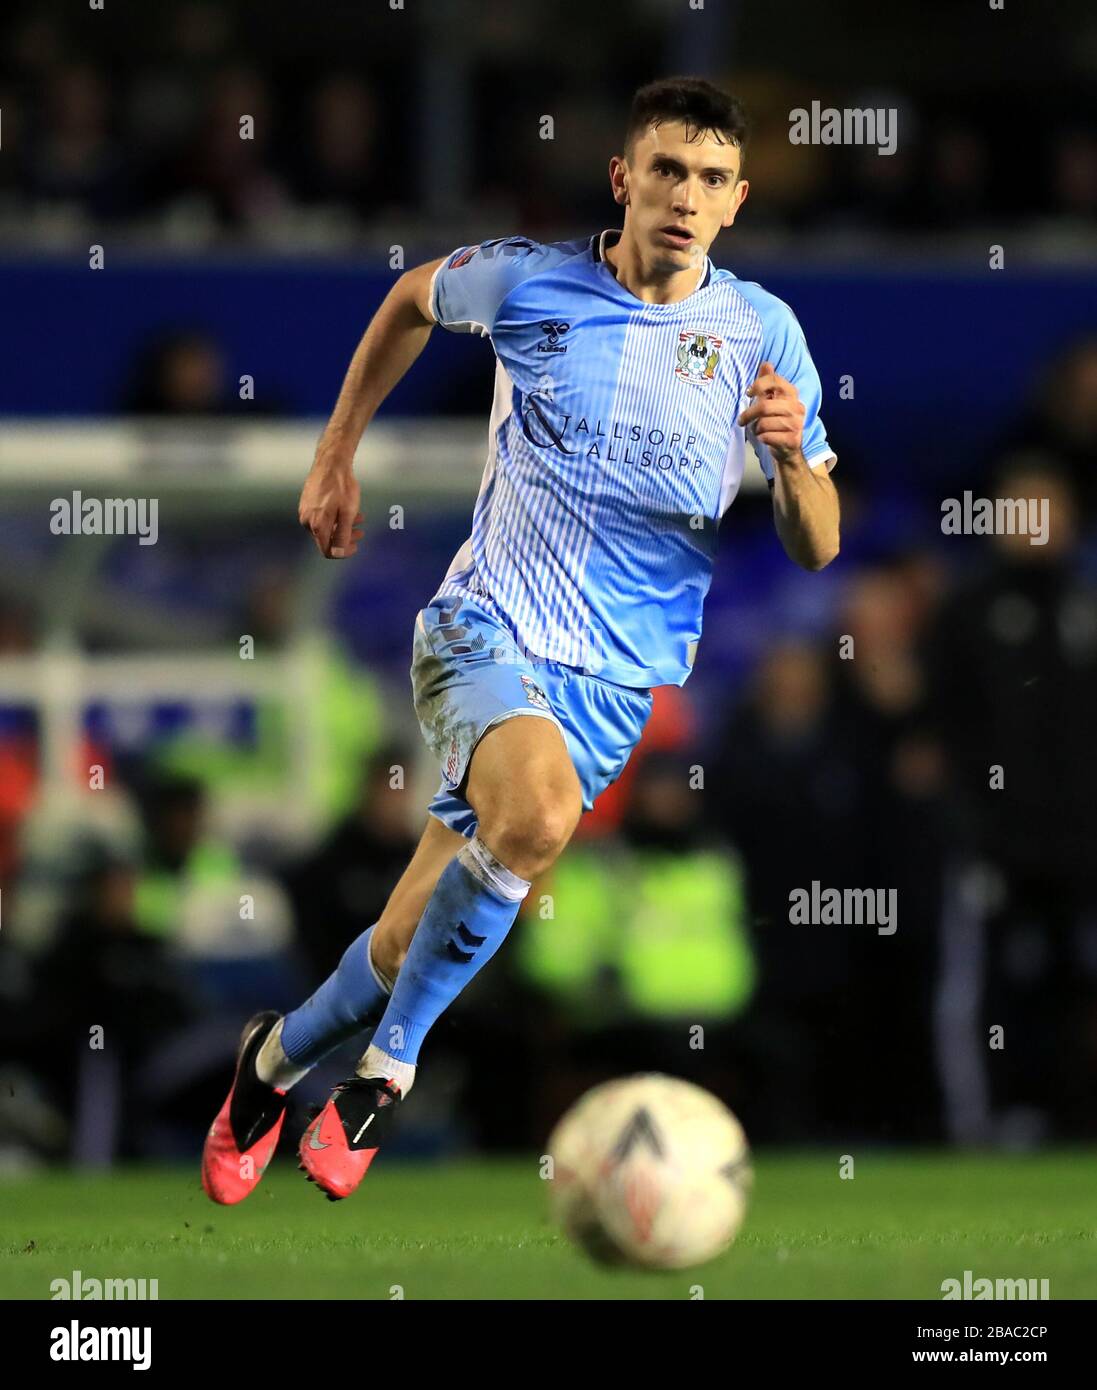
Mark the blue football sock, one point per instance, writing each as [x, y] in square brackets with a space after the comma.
[349, 999]
[473, 906]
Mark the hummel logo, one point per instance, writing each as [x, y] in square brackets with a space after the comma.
[553, 330]
[314, 1141]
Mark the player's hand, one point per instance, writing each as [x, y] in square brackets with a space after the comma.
[329, 509]
[776, 418]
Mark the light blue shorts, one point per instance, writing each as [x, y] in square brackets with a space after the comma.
[469, 674]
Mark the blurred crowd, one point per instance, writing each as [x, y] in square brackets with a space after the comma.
[129, 121]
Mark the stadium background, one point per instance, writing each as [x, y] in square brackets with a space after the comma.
[270, 778]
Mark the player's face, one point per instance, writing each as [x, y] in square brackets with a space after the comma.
[674, 183]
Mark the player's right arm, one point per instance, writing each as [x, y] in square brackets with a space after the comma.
[396, 336]
[463, 293]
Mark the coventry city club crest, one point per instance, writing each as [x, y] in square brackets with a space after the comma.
[698, 356]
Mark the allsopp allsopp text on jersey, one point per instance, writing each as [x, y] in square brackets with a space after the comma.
[592, 439]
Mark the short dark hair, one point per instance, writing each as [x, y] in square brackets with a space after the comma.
[691, 99]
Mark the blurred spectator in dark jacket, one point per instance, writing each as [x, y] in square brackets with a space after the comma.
[107, 996]
[1016, 686]
[882, 715]
[786, 789]
[227, 163]
[343, 885]
[72, 156]
[779, 764]
[336, 164]
[1061, 422]
[827, 774]
[1015, 690]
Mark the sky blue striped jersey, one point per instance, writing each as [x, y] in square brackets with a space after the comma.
[613, 448]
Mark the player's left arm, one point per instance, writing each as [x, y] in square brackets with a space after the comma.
[805, 500]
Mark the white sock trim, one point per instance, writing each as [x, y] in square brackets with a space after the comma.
[376, 1062]
[482, 864]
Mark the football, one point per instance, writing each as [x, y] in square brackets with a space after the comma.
[649, 1171]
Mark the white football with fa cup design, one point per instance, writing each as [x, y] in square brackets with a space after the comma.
[650, 1170]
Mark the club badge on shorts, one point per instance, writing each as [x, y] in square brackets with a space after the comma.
[535, 695]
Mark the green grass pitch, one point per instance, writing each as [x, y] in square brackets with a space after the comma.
[479, 1229]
